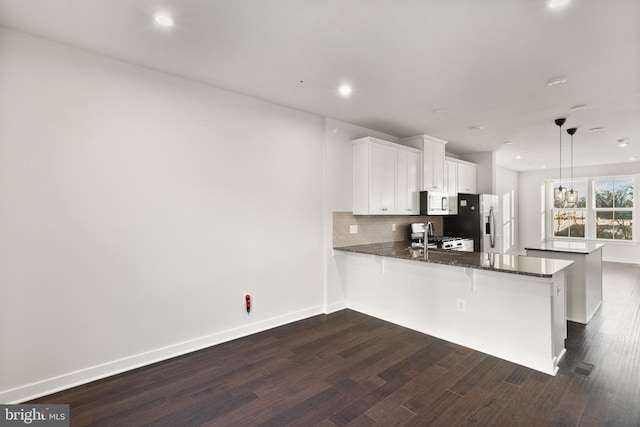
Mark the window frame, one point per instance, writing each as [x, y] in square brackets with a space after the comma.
[553, 210]
[613, 209]
[591, 211]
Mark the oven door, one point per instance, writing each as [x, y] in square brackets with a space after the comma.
[466, 245]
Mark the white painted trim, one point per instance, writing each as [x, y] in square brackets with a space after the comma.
[336, 306]
[622, 260]
[93, 373]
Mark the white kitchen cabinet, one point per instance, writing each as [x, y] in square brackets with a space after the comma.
[451, 177]
[433, 152]
[460, 176]
[467, 177]
[385, 178]
[408, 182]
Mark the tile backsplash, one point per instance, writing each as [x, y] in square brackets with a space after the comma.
[376, 228]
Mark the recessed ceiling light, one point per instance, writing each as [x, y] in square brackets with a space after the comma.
[596, 129]
[345, 90]
[518, 157]
[632, 158]
[554, 4]
[439, 111]
[163, 20]
[622, 144]
[543, 166]
[477, 127]
[579, 107]
[556, 81]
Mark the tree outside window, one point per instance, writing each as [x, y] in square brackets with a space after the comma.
[613, 203]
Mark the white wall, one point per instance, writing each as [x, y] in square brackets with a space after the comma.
[507, 191]
[136, 208]
[531, 204]
[338, 191]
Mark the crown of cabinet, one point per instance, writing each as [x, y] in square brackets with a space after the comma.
[386, 178]
[433, 166]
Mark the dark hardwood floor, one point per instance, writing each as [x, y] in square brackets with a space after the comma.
[350, 369]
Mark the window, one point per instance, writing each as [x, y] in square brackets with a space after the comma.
[613, 206]
[570, 221]
[604, 210]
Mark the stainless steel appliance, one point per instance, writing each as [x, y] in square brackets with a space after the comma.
[435, 203]
[477, 219]
[419, 231]
[452, 243]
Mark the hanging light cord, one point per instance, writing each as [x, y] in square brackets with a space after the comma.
[572, 163]
[560, 167]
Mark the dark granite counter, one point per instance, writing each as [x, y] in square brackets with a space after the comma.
[513, 264]
[569, 247]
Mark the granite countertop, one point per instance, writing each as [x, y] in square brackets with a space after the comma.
[571, 247]
[514, 264]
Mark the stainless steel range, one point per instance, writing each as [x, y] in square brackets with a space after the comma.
[420, 230]
[452, 243]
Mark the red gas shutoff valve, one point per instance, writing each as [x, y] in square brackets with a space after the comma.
[247, 299]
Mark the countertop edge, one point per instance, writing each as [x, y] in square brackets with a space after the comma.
[567, 250]
[452, 260]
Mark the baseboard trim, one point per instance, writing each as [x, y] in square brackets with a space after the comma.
[336, 306]
[83, 376]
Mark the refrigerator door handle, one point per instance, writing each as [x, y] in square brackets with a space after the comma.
[492, 226]
[444, 204]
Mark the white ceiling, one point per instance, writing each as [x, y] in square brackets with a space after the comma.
[485, 61]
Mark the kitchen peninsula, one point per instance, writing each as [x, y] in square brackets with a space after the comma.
[512, 307]
[584, 277]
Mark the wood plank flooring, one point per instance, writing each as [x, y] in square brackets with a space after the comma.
[349, 369]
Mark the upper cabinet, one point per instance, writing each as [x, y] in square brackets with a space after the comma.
[460, 176]
[408, 182]
[467, 177]
[385, 178]
[450, 177]
[433, 152]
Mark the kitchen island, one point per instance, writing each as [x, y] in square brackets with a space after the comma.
[584, 277]
[511, 307]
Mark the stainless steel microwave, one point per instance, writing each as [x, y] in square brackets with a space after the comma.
[436, 203]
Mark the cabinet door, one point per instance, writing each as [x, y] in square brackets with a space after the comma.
[382, 179]
[466, 178]
[438, 167]
[451, 177]
[408, 182]
[433, 174]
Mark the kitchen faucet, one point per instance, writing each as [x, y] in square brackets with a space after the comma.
[428, 231]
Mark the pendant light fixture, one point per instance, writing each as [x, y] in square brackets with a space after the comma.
[558, 193]
[572, 195]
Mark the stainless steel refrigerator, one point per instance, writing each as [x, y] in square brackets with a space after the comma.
[478, 219]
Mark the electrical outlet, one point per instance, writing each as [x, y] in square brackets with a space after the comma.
[353, 229]
[247, 301]
[393, 227]
[462, 305]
